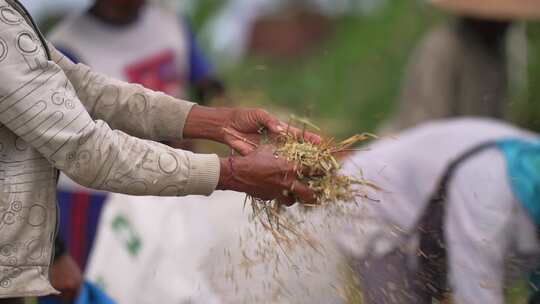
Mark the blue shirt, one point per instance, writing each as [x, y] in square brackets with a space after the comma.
[523, 169]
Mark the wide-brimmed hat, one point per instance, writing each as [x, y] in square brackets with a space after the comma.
[492, 9]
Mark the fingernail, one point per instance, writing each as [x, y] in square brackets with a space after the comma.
[280, 128]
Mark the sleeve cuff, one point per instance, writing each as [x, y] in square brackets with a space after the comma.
[185, 108]
[204, 172]
[168, 116]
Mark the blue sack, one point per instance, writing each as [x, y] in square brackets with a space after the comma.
[92, 294]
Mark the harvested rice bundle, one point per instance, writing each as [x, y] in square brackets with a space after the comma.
[329, 186]
[281, 242]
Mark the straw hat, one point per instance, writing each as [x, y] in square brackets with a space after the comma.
[492, 9]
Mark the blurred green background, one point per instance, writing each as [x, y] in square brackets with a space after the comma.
[351, 82]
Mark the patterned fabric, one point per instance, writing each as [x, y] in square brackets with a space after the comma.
[157, 67]
[58, 115]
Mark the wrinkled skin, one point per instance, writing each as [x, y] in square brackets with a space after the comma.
[256, 171]
[247, 123]
[264, 175]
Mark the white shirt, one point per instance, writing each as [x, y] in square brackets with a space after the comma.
[151, 51]
[485, 225]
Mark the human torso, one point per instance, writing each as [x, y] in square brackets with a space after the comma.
[27, 179]
[484, 219]
[152, 51]
[452, 74]
[409, 167]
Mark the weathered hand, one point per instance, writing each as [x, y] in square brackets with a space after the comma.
[239, 128]
[244, 127]
[264, 175]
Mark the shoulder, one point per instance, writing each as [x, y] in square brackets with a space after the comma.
[16, 34]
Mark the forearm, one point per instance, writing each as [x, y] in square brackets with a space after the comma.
[128, 107]
[114, 161]
[206, 123]
[41, 108]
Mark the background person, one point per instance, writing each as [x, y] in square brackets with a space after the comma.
[140, 42]
[457, 213]
[462, 67]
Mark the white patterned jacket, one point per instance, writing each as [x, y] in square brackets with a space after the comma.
[55, 115]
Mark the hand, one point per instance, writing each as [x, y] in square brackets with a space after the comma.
[239, 128]
[264, 175]
[66, 277]
[247, 124]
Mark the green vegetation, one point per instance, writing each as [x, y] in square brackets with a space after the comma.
[350, 84]
[526, 109]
